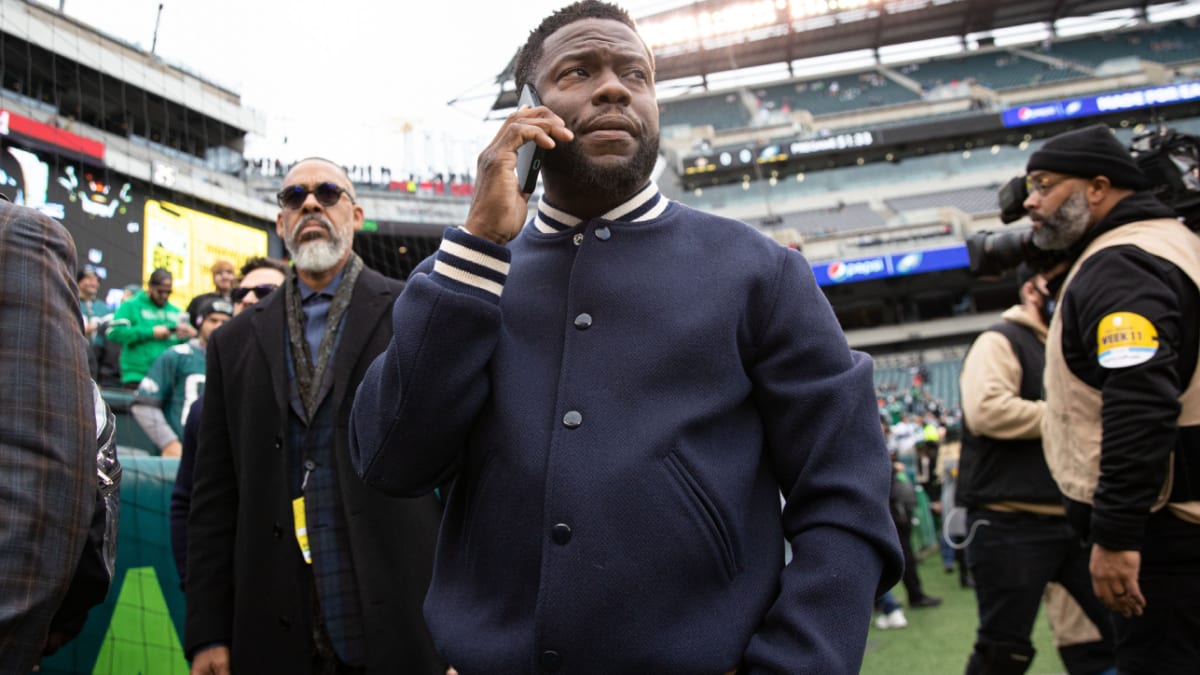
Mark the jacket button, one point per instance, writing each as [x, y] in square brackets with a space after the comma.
[561, 534]
[578, 239]
[583, 321]
[278, 531]
[278, 443]
[603, 233]
[285, 623]
[550, 661]
[572, 419]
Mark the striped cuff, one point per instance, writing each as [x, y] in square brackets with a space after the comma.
[471, 264]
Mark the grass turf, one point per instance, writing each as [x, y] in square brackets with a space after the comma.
[938, 640]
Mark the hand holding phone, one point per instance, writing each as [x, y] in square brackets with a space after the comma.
[529, 156]
[505, 181]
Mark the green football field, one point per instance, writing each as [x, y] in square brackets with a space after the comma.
[938, 640]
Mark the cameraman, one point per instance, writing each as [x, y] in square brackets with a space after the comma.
[1122, 424]
[1020, 538]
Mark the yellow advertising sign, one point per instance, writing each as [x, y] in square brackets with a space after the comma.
[187, 243]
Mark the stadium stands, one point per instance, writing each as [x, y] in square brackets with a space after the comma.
[1171, 43]
[825, 96]
[912, 176]
[722, 111]
[827, 221]
[942, 384]
[975, 201]
[999, 70]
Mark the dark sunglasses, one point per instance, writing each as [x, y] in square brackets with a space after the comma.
[260, 292]
[328, 194]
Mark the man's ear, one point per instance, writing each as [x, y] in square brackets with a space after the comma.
[1029, 291]
[1098, 188]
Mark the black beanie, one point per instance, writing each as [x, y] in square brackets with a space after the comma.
[211, 306]
[1087, 153]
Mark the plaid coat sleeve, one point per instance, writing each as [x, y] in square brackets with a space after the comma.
[47, 430]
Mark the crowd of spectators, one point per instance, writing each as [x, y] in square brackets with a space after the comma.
[380, 177]
[922, 433]
[149, 346]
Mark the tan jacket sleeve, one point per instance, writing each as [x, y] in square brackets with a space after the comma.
[990, 384]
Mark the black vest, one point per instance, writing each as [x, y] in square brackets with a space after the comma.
[993, 470]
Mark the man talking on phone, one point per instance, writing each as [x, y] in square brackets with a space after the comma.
[622, 387]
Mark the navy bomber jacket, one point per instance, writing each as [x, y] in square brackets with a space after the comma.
[621, 401]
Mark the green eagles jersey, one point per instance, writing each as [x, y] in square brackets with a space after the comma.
[174, 382]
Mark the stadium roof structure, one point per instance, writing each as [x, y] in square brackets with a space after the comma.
[712, 36]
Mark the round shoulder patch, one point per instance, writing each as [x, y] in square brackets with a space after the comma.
[1125, 339]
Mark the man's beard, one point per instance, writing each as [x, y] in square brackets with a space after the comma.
[568, 163]
[317, 255]
[1061, 229]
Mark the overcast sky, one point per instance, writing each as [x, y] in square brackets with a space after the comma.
[343, 79]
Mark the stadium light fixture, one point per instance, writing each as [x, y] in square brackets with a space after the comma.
[736, 18]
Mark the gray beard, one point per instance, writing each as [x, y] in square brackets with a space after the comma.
[1065, 226]
[319, 255]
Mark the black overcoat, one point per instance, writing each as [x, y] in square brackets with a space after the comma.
[244, 565]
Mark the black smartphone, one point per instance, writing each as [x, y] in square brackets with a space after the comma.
[529, 156]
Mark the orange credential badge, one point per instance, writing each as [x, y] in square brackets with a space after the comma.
[1125, 339]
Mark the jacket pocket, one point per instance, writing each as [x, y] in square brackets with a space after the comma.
[705, 511]
[474, 484]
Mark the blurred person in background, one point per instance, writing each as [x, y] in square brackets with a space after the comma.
[96, 315]
[223, 276]
[176, 380]
[1019, 539]
[95, 310]
[259, 278]
[147, 325]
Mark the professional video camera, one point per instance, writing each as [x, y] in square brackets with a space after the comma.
[1170, 160]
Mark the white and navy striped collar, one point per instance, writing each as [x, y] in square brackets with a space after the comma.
[647, 204]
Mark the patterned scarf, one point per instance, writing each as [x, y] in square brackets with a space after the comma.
[308, 376]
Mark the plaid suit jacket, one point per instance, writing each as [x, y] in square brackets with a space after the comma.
[47, 430]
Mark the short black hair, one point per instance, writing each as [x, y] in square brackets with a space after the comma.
[160, 276]
[260, 262]
[85, 271]
[527, 58]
